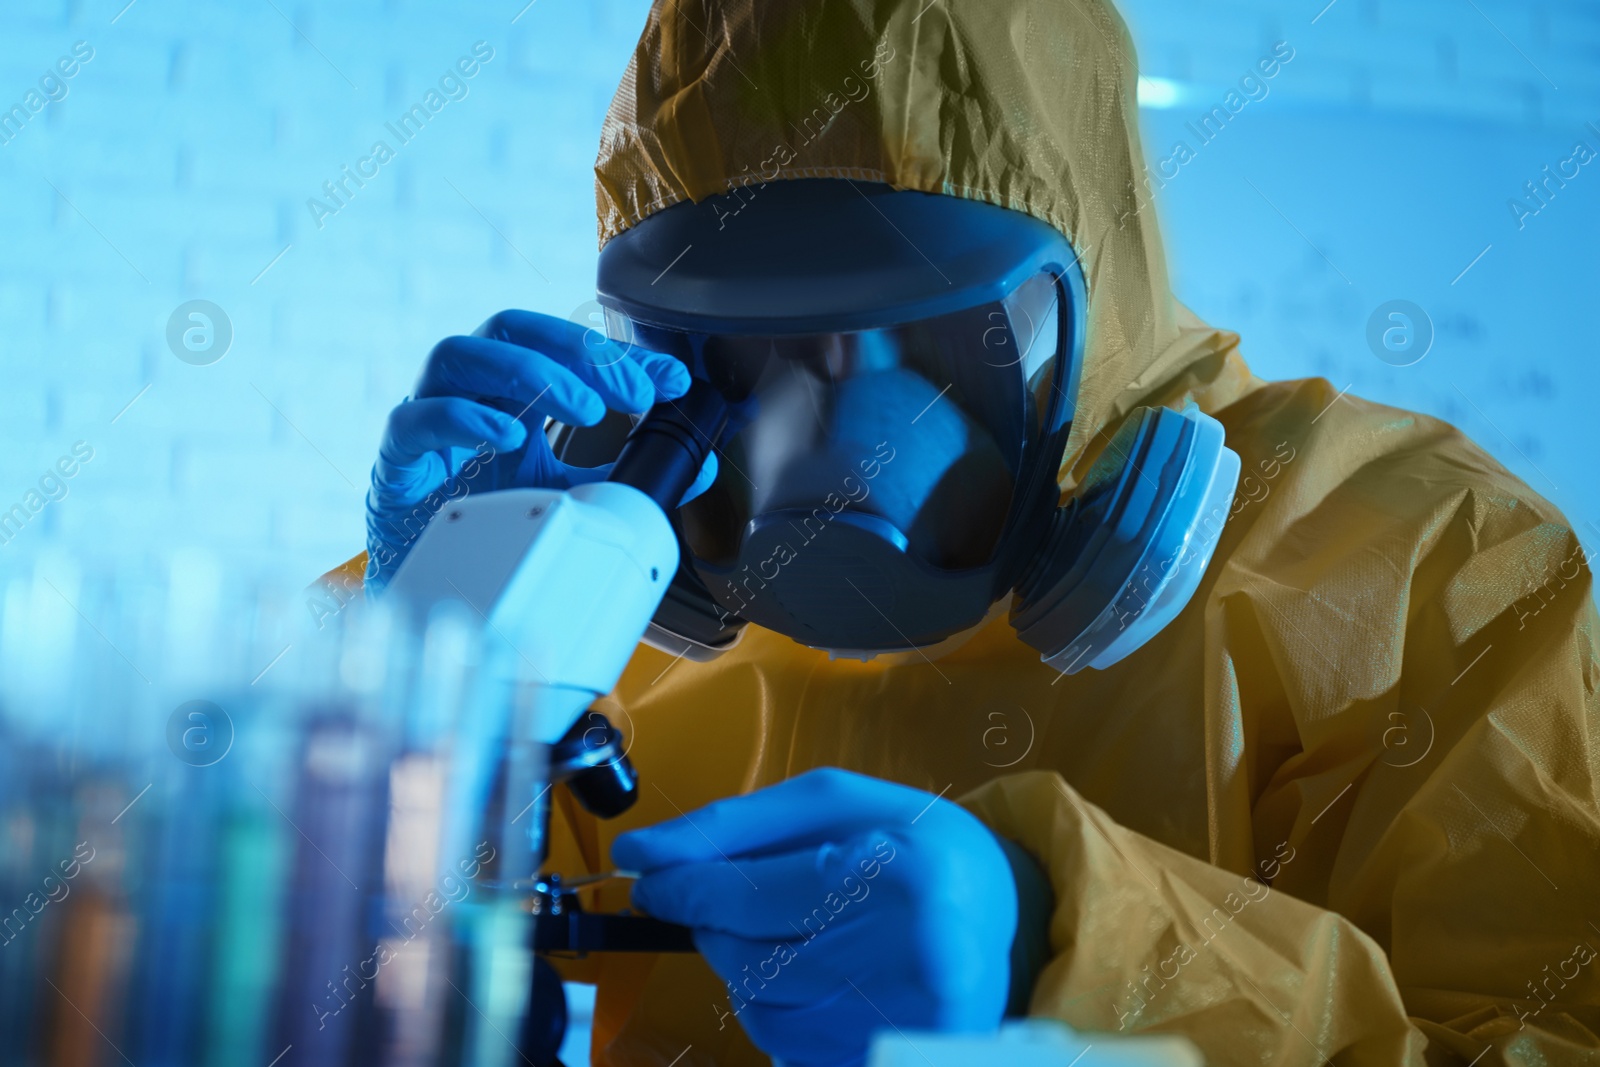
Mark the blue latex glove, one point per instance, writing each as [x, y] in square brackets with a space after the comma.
[835, 905]
[475, 421]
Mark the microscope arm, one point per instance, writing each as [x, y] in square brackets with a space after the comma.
[563, 584]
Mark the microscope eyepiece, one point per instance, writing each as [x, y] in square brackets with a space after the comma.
[663, 455]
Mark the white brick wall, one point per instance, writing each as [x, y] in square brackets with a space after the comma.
[189, 144]
[1390, 145]
[1482, 59]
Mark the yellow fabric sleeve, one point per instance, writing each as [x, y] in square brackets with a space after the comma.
[1143, 937]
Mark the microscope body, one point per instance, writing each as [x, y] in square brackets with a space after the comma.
[567, 580]
[563, 585]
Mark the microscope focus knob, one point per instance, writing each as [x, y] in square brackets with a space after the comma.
[593, 762]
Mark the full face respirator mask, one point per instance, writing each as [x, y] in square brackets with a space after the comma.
[901, 372]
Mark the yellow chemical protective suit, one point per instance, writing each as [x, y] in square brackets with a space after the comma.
[1381, 703]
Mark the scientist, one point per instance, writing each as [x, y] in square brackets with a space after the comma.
[983, 690]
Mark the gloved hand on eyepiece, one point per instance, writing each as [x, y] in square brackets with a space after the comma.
[475, 421]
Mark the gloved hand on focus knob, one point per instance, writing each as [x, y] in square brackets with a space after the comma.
[835, 905]
[476, 418]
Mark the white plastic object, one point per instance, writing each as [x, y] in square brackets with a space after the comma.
[1029, 1043]
[564, 582]
[1176, 553]
[1180, 585]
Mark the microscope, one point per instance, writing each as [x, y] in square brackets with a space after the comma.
[562, 584]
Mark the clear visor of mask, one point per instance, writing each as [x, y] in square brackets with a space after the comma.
[919, 429]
